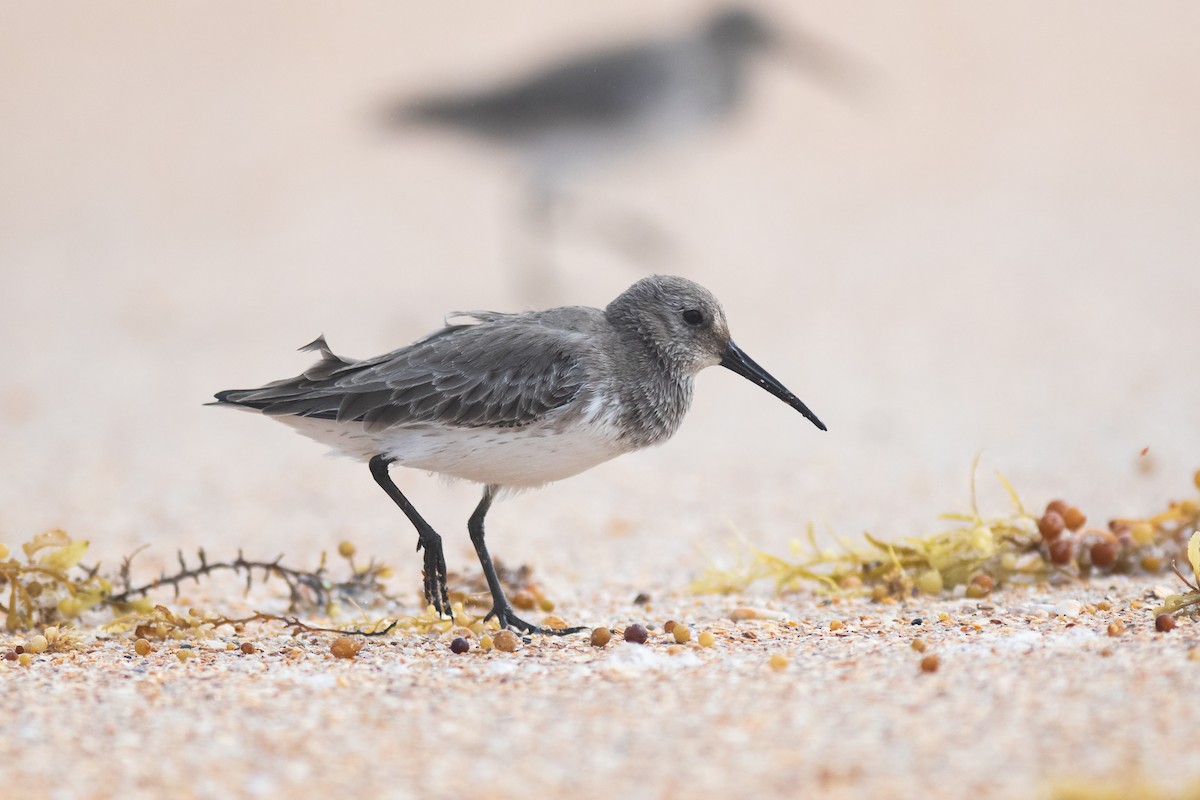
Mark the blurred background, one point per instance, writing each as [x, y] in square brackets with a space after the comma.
[949, 228]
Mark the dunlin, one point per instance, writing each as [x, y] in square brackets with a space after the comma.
[570, 113]
[593, 107]
[514, 401]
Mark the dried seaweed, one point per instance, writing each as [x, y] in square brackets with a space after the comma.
[1189, 600]
[979, 552]
[52, 586]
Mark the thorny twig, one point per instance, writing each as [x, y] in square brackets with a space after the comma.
[306, 588]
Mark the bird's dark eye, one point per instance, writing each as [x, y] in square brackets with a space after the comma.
[693, 317]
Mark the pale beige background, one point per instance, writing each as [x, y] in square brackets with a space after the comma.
[992, 249]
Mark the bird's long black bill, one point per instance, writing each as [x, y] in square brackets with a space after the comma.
[737, 361]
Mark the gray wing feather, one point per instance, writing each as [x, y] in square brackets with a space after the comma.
[499, 372]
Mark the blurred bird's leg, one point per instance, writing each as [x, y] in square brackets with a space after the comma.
[537, 280]
[629, 233]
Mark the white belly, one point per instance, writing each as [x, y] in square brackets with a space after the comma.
[517, 457]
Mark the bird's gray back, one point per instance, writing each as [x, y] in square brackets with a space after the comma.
[501, 371]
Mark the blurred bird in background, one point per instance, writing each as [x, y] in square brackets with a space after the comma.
[583, 111]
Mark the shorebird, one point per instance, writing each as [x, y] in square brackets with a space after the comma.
[514, 401]
[596, 107]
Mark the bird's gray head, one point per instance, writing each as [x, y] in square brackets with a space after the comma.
[739, 30]
[679, 320]
[684, 326]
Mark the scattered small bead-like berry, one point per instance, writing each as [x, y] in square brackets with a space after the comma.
[1051, 525]
[142, 647]
[1164, 623]
[1061, 551]
[1104, 553]
[11, 655]
[669, 626]
[1073, 518]
[930, 663]
[918, 645]
[682, 633]
[1116, 628]
[346, 549]
[707, 639]
[524, 600]
[636, 633]
[460, 646]
[779, 662]
[601, 636]
[248, 648]
[1058, 506]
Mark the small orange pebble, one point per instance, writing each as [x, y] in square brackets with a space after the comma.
[524, 600]
[707, 639]
[553, 622]
[486, 643]
[248, 648]
[142, 647]
[506, 641]
[1103, 605]
[1116, 628]
[676, 649]
[601, 636]
[1151, 563]
[836, 625]
[930, 663]
[778, 662]
[1164, 623]
[669, 626]
[682, 633]
[918, 645]
[345, 647]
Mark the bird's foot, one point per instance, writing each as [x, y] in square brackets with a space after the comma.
[436, 593]
[507, 619]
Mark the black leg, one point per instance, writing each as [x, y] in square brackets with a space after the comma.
[501, 610]
[436, 593]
